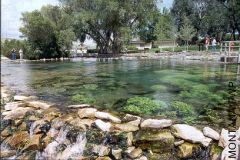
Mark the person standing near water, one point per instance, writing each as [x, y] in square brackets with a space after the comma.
[21, 54]
[207, 41]
[214, 44]
[13, 54]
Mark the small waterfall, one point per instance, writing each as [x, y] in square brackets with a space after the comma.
[50, 152]
[74, 151]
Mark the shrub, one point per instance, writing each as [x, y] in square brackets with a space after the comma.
[142, 105]
[182, 109]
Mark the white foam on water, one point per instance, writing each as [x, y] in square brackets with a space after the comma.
[50, 152]
[74, 151]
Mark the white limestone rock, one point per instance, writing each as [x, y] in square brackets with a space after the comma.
[107, 116]
[156, 124]
[190, 133]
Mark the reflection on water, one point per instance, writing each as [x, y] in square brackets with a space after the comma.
[108, 84]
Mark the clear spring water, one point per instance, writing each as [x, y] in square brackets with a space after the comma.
[107, 84]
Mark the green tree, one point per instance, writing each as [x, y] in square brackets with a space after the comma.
[48, 31]
[187, 31]
[207, 16]
[165, 28]
[109, 22]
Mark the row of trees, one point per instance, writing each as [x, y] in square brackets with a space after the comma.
[212, 17]
[113, 23]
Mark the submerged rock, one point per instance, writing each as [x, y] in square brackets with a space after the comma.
[104, 126]
[87, 112]
[190, 134]
[107, 116]
[154, 123]
[209, 132]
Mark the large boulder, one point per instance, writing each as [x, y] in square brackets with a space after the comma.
[126, 127]
[156, 124]
[104, 126]
[209, 132]
[107, 116]
[87, 112]
[17, 113]
[39, 104]
[157, 141]
[190, 133]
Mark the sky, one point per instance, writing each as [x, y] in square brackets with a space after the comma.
[11, 11]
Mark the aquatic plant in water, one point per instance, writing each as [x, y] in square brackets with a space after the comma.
[158, 87]
[142, 105]
[79, 98]
[182, 109]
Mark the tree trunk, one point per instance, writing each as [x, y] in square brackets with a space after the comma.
[116, 45]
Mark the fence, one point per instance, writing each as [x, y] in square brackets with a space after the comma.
[231, 50]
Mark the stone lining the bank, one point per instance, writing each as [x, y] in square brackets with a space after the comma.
[32, 129]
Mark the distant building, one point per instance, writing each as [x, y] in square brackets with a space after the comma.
[141, 45]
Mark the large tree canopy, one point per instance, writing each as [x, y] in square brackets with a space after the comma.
[110, 22]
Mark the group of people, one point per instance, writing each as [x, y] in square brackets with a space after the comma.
[14, 54]
[213, 43]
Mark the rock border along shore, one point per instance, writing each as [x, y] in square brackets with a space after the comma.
[33, 129]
